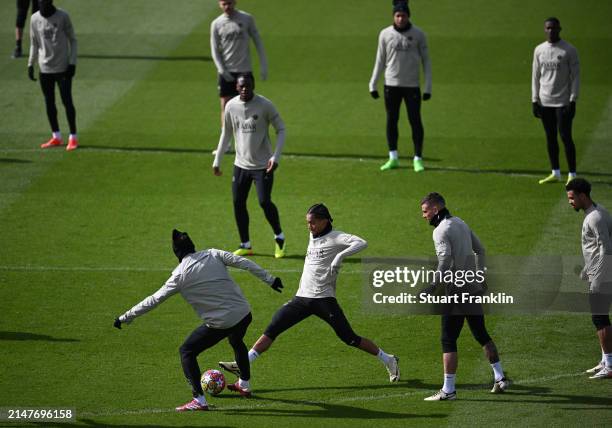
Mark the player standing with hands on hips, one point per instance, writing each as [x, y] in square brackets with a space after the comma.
[54, 47]
[316, 295]
[597, 253]
[554, 91]
[229, 45]
[248, 117]
[204, 282]
[402, 49]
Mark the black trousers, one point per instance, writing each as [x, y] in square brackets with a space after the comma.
[394, 95]
[600, 308]
[241, 184]
[452, 326]
[22, 11]
[559, 120]
[64, 82]
[205, 337]
[300, 308]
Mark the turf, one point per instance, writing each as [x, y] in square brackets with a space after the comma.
[86, 234]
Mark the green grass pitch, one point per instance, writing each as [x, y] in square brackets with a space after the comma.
[86, 234]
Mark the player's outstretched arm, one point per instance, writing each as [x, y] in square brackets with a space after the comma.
[230, 259]
[150, 302]
[354, 244]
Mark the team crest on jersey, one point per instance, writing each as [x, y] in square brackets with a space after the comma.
[559, 57]
[255, 117]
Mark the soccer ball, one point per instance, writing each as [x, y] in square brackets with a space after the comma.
[213, 382]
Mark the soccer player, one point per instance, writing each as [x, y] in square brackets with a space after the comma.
[458, 248]
[402, 49]
[22, 13]
[229, 45]
[317, 292]
[248, 117]
[597, 253]
[203, 281]
[54, 47]
[554, 91]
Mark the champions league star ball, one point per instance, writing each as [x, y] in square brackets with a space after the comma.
[213, 382]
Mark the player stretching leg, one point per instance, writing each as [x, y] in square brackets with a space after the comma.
[317, 293]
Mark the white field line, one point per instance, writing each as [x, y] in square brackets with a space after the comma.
[253, 404]
[445, 168]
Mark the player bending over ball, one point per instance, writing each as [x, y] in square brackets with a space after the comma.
[202, 279]
[317, 292]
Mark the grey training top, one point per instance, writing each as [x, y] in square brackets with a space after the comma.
[555, 78]
[204, 282]
[456, 246]
[597, 246]
[229, 43]
[52, 42]
[401, 55]
[318, 280]
[250, 122]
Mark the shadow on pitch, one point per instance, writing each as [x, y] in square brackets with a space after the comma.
[516, 391]
[92, 423]
[10, 160]
[323, 410]
[22, 336]
[147, 57]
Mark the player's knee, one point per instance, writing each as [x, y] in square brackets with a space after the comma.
[185, 350]
[601, 321]
[265, 203]
[351, 339]
[483, 338]
[449, 345]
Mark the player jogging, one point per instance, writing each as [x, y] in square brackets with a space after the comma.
[597, 253]
[203, 281]
[402, 49]
[248, 117]
[317, 292]
[554, 91]
[458, 248]
[22, 15]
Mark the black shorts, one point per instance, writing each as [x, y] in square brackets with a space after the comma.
[300, 308]
[228, 89]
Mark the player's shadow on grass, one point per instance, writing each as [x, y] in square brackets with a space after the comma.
[92, 423]
[23, 336]
[532, 395]
[147, 57]
[10, 160]
[323, 410]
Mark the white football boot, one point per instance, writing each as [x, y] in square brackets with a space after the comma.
[393, 369]
[230, 366]
[595, 369]
[501, 385]
[441, 396]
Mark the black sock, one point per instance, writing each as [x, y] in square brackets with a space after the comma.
[280, 242]
[18, 43]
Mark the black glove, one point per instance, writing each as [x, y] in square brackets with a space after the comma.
[277, 285]
[31, 73]
[71, 70]
[117, 323]
[426, 96]
[375, 95]
[537, 110]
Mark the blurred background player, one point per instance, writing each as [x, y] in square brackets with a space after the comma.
[248, 118]
[229, 45]
[402, 49]
[458, 248]
[54, 46]
[597, 253]
[316, 295]
[22, 14]
[554, 91]
[204, 282]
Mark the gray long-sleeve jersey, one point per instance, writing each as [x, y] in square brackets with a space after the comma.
[318, 280]
[229, 43]
[250, 122]
[597, 246]
[204, 282]
[555, 77]
[52, 42]
[456, 246]
[401, 55]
